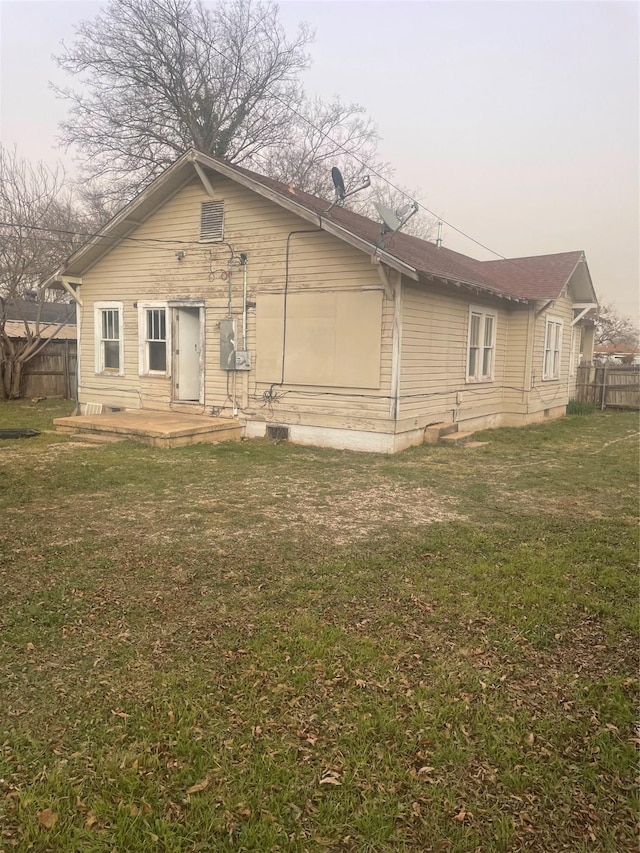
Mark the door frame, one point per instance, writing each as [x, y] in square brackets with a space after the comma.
[174, 306]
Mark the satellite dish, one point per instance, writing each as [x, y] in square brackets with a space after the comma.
[389, 219]
[338, 183]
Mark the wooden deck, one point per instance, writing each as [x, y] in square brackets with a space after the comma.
[158, 429]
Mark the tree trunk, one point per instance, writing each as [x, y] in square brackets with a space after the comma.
[11, 372]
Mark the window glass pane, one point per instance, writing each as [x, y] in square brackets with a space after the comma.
[110, 325]
[487, 358]
[473, 360]
[157, 355]
[156, 324]
[547, 362]
[111, 355]
[474, 331]
[488, 331]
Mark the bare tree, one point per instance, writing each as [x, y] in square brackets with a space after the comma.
[39, 227]
[161, 76]
[615, 328]
[320, 138]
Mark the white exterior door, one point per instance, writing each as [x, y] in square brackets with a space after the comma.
[187, 354]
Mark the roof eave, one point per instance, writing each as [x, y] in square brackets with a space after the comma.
[483, 290]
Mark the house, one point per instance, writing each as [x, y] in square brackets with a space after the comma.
[617, 354]
[43, 336]
[24, 317]
[222, 292]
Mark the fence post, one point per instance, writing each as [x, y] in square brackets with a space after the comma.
[604, 388]
[65, 370]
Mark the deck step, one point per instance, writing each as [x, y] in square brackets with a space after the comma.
[435, 432]
[158, 429]
[458, 437]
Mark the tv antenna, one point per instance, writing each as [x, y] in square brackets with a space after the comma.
[393, 221]
[439, 238]
[340, 190]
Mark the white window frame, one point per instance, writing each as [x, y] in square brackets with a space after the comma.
[478, 375]
[551, 370]
[143, 350]
[100, 368]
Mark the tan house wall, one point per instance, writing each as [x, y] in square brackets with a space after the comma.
[145, 270]
[433, 384]
[419, 350]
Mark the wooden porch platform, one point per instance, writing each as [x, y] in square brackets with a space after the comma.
[158, 429]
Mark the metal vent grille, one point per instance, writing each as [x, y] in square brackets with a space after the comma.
[278, 433]
[212, 220]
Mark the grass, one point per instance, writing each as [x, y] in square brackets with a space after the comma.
[258, 646]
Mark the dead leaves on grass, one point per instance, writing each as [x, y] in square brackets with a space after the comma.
[200, 786]
[47, 819]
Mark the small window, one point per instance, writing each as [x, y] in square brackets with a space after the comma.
[212, 221]
[153, 339]
[552, 348]
[481, 346]
[108, 338]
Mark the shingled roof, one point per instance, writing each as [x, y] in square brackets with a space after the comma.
[535, 277]
[520, 279]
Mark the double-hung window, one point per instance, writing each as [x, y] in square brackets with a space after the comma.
[109, 348]
[481, 345]
[552, 348]
[153, 338]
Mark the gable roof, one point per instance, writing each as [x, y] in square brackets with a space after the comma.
[518, 279]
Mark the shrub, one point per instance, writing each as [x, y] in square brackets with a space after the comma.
[575, 407]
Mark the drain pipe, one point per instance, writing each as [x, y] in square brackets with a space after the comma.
[243, 261]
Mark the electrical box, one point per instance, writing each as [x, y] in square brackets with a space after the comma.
[230, 357]
[243, 359]
[228, 344]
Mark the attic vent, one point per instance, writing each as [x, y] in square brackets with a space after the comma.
[278, 433]
[212, 220]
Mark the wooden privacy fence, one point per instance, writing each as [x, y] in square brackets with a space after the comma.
[612, 386]
[51, 373]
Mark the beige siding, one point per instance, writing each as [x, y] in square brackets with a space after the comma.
[145, 269]
[434, 358]
[547, 394]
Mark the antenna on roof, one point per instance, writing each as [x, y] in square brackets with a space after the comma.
[439, 237]
[393, 221]
[340, 191]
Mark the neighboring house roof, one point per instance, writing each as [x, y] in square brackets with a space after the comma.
[32, 309]
[616, 349]
[15, 329]
[16, 312]
[520, 279]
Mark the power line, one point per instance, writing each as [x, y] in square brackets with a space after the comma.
[335, 142]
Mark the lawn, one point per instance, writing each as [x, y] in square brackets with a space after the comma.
[258, 646]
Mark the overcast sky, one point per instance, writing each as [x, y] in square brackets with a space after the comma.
[518, 121]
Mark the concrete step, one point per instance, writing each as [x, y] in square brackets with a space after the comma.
[458, 437]
[96, 437]
[435, 432]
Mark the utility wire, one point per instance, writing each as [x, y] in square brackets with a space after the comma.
[342, 147]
